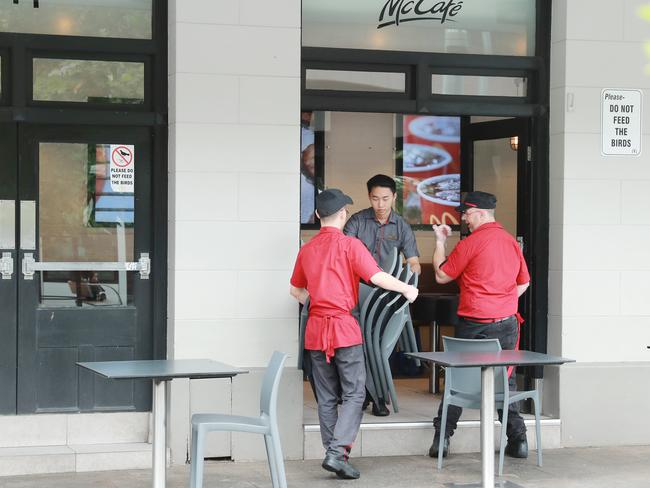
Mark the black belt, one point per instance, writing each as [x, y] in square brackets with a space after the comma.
[487, 321]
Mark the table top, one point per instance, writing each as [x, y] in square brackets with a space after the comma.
[500, 358]
[162, 369]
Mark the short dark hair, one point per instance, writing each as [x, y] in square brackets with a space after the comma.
[382, 181]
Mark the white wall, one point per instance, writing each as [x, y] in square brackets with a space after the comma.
[599, 313]
[234, 95]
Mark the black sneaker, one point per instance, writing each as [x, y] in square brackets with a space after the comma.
[433, 450]
[340, 465]
[517, 448]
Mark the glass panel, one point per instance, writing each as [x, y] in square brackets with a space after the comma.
[0, 77]
[94, 18]
[83, 217]
[495, 171]
[318, 79]
[307, 168]
[77, 80]
[505, 27]
[421, 152]
[492, 86]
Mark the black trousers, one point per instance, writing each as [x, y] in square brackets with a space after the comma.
[507, 332]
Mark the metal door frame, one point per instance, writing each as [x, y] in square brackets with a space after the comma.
[17, 106]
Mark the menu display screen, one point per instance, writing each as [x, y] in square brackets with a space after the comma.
[430, 168]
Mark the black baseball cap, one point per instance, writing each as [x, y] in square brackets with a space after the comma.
[330, 201]
[477, 199]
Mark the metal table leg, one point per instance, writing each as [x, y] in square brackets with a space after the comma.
[487, 435]
[159, 461]
[487, 426]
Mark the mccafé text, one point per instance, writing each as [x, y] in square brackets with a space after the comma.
[395, 12]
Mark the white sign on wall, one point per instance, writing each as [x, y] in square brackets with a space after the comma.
[621, 122]
[122, 168]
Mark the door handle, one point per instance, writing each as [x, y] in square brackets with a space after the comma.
[30, 266]
[6, 266]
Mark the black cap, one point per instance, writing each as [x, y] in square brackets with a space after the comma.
[330, 201]
[477, 199]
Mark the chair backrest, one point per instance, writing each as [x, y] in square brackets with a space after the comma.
[389, 262]
[270, 384]
[468, 380]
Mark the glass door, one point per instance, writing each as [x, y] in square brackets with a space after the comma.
[83, 213]
[496, 160]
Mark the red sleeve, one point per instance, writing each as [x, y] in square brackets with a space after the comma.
[298, 278]
[523, 277]
[361, 260]
[457, 260]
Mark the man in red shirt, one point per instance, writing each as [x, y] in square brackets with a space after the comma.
[328, 269]
[492, 274]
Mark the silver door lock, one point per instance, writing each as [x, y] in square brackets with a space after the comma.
[6, 265]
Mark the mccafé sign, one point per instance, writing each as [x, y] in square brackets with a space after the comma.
[395, 12]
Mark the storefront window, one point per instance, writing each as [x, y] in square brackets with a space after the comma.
[129, 19]
[492, 86]
[83, 218]
[421, 152]
[78, 80]
[497, 27]
[368, 81]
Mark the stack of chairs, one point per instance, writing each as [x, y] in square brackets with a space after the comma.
[384, 318]
[385, 321]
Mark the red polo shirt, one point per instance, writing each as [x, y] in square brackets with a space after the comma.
[488, 265]
[329, 266]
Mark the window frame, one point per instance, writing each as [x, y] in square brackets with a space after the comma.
[5, 96]
[145, 106]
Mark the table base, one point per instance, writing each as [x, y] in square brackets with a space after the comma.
[497, 484]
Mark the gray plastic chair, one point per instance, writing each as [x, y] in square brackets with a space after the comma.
[463, 388]
[266, 424]
[389, 263]
[379, 324]
[381, 299]
[408, 342]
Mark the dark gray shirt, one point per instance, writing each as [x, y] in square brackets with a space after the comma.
[381, 239]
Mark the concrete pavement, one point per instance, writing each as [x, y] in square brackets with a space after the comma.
[625, 467]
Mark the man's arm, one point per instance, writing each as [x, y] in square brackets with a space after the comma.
[300, 294]
[439, 253]
[414, 262]
[522, 288]
[389, 282]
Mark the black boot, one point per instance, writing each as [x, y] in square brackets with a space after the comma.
[517, 448]
[379, 408]
[433, 450]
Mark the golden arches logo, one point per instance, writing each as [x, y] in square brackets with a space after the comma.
[447, 218]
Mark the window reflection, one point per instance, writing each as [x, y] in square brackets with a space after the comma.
[81, 219]
[129, 19]
[78, 80]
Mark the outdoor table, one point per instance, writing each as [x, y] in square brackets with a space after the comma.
[160, 372]
[487, 361]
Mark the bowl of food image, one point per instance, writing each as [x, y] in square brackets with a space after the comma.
[436, 129]
[420, 161]
[439, 197]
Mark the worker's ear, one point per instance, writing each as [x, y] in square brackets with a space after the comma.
[317, 215]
